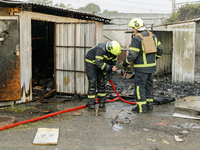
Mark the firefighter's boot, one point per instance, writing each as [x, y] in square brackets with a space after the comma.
[149, 106]
[91, 106]
[101, 104]
[141, 107]
[101, 101]
[91, 103]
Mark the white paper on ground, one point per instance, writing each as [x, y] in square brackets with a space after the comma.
[46, 136]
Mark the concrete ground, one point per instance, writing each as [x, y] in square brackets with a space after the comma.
[114, 127]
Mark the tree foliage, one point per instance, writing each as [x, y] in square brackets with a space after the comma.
[107, 11]
[91, 7]
[68, 6]
[186, 12]
[45, 2]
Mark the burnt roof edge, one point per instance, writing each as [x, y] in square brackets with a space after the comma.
[45, 9]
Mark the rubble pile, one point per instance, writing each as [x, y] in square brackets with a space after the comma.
[162, 86]
[42, 85]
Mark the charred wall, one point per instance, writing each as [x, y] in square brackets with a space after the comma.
[9, 61]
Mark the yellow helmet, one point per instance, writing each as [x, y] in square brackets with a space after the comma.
[136, 23]
[114, 48]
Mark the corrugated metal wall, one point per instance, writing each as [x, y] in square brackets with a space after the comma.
[87, 34]
[71, 49]
[184, 52]
[197, 53]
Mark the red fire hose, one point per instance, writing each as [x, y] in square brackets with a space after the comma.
[63, 111]
[42, 117]
[133, 103]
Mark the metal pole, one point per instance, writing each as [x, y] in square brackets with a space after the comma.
[173, 5]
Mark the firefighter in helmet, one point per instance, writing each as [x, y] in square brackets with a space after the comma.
[144, 65]
[99, 60]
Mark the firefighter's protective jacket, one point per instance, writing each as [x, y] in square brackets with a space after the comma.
[99, 56]
[144, 63]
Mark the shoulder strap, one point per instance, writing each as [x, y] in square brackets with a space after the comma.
[139, 34]
[150, 34]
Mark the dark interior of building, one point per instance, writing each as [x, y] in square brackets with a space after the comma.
[43, 55]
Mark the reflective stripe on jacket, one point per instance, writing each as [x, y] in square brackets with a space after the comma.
[143, 62]
[99, 56]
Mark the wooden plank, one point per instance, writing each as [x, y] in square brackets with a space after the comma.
[189, 103]
[185, 116]
[192, 98]
[46, 136]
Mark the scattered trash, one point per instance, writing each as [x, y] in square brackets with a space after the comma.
[183, 132]
[165, 142]
[178, 138]
[50, 94]
[125, 121]
[46, 111]
[77, 113]
[164, 122]
[145, 129]
[117, 127]
[46, 136]
[148, 139]
[188, 125]
[38, 88]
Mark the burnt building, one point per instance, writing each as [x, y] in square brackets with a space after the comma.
[44, 41]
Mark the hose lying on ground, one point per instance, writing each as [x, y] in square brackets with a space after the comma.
[63, 111]
[119, 97]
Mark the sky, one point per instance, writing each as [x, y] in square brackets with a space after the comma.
[127, 6]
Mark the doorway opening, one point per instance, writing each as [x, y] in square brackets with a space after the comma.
[42, 57]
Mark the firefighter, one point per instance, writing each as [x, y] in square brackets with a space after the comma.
[99, 60]
[144, 65]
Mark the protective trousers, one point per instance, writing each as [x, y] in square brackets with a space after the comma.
[96, 79]
[143, 90]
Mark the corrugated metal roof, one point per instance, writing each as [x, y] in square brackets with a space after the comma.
[174, 23]
[8, 3]
[53, 10]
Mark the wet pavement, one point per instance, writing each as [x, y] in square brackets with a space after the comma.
[114, 127]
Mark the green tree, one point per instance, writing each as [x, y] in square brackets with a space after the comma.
[68, 6]
[62, 5]
[91, 7]
[107, 11]
[186, 12]
[45, 2]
